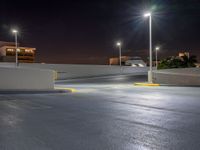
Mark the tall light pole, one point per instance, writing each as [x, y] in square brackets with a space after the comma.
[150, 48]
[157, 49]
[16, 46]
[120, 53]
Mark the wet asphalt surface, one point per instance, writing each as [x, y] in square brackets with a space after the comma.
[104, 114]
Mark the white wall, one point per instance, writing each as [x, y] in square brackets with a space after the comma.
[26, 79]
[183, 76]
[68, 71]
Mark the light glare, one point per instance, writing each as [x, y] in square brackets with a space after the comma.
[14, 31]
[118, 44]
[140, 65]
[147, 14]
[157, 48]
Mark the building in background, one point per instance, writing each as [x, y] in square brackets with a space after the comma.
[128, 61]
[135, 62]
[197, 65]
[8, 53]
[115, 60]
[181, 54]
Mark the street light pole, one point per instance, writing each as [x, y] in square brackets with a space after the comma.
[16, 47]
[150, 80]
[120, 53]
[157, 49]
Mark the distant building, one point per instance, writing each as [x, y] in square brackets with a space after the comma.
[8, 53]
[135, 62]
[128, 61]
[184, 54]
[197, 65]
[115, 60]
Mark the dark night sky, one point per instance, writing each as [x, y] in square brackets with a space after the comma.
[86, 31]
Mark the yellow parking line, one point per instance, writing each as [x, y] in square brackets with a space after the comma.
[146, 84]
[69, 89]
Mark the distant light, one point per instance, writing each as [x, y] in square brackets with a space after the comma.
[141, 65]
[118, 43]
[133, 65]
[157, 48]
[14, 31]
[147, 14]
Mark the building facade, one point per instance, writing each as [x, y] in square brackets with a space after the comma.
[115, 60]
[128, 61]
[8, 53]
[181, 54]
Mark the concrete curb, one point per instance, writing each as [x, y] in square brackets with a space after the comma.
[156, 84]
[72, 90]
[35, 92]
[146, 84]
[173, 85]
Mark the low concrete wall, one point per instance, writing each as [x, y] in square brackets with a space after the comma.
[69, 71]
[183, 76]
[93, 71]
[26, 79]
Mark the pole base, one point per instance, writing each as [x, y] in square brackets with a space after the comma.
[150, 76]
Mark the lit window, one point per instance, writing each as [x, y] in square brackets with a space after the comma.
[28, 51]
[10, 50]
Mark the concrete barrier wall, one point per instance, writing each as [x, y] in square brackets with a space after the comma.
[183, 76]
[26, 79]
[69, 71]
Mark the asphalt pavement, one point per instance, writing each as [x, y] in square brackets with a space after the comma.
[106, 113]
